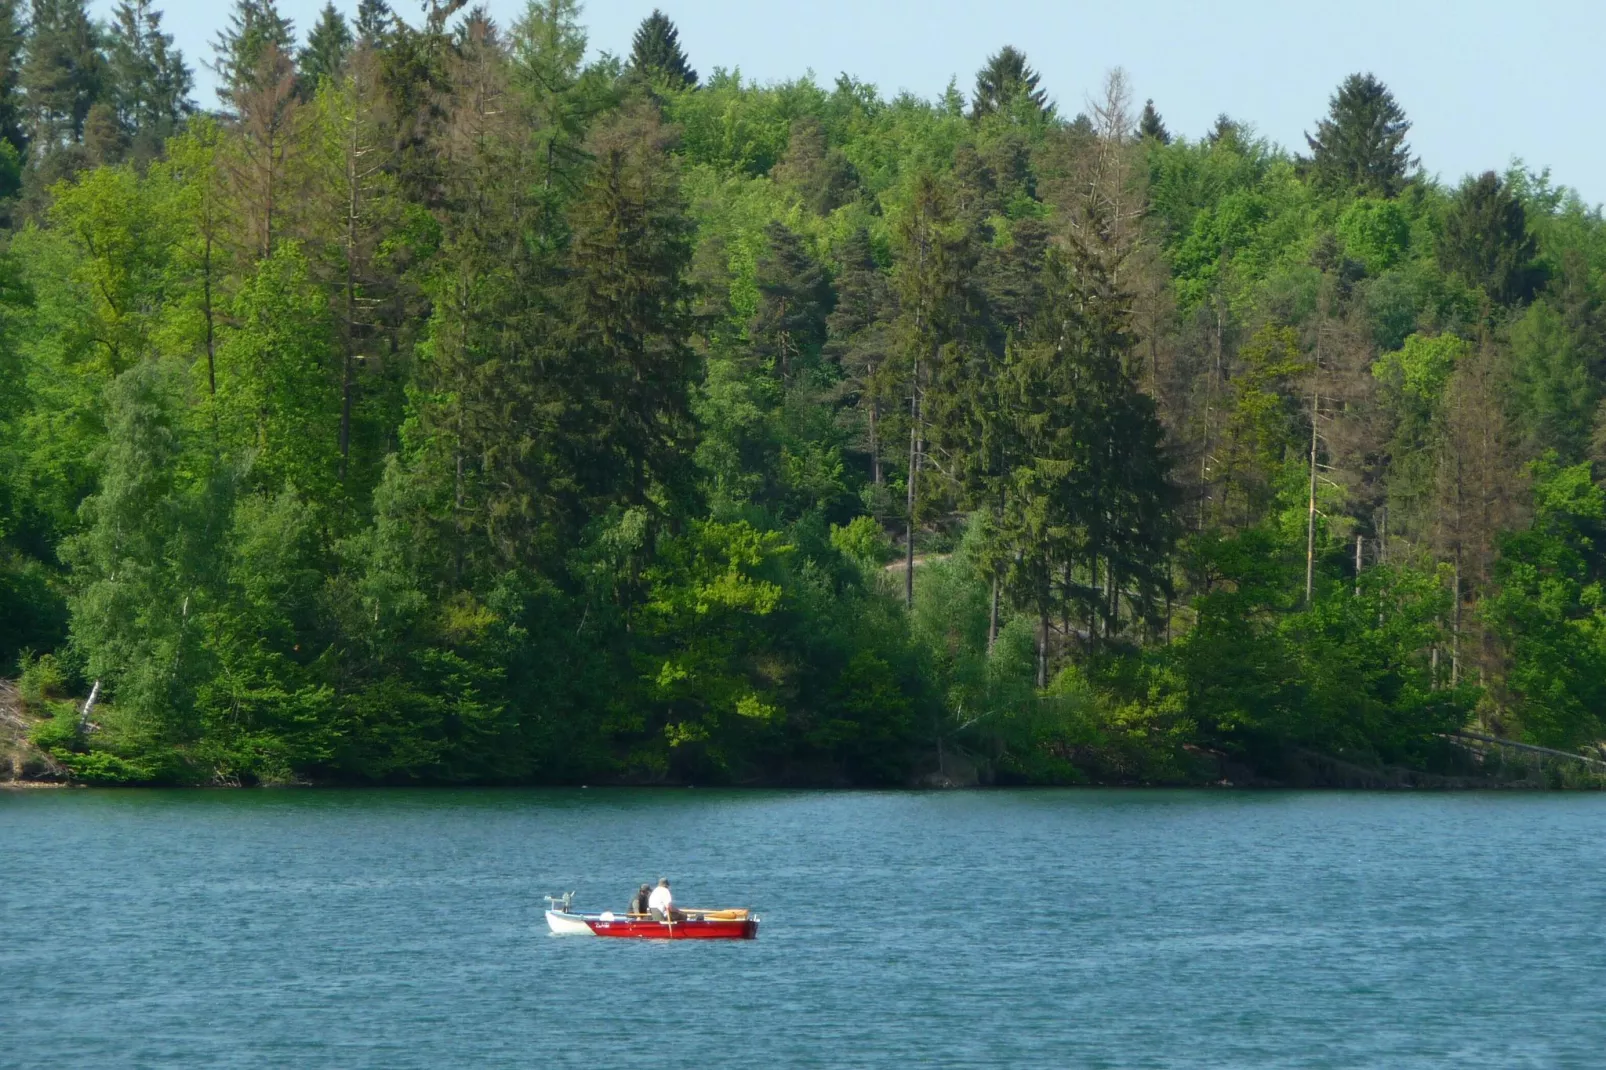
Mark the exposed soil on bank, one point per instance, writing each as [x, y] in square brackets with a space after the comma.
[22, 764]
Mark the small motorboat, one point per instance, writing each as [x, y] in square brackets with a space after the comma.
[723, 924]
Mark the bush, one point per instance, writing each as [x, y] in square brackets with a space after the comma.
[42, 679]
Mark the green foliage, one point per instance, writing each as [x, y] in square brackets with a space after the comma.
[460, 410]
[1375, 232]
[1422, 367]
[1360, 145]
[1007, 88]
[1486, 241]
[656, 57]
[1551, 607]
[40, 678]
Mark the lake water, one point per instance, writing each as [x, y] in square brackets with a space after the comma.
[1032, 928]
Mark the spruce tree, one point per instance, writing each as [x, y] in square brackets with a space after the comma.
[252, 50]
[1151, 126]
[12, 42]
[629, 303]
[324, 55]
[860, 340]
[375, 23]
[1486, 241]
[794, 298]
[820, 174]
[1360, 146]
[1005, 81]
[62, 77]
[148, 80]
[656, 57]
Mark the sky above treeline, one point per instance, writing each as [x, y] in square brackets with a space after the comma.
[1483, 82]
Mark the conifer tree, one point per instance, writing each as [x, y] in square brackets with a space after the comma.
[860, 339]
[12, 43]
[149, 81]
[375, 22]
[629, 303]
[656, 57]
[549, 47]
[1003, 82]
[822, 175]
[252, 52]
[1359, 146]
[1151, 126]
[1486, 241]
[794, 298]
[62, 76]
[324, 55]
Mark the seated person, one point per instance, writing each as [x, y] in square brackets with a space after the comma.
[638, 905]
[662, 904]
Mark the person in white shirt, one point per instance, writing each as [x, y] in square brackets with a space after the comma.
[662, 904]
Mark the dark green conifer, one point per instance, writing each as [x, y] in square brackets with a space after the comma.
[240, 50]
[1360, 145]
[656, 57]
[1227, 131]
[1486, 240]
[148, 80]
[630, 306]
[324, 55]
[794, 298]
[375, 22]
[822, 175]
[1151, 126]
[11, 53]
[860, 340]
[62, 77]
[1005, 81]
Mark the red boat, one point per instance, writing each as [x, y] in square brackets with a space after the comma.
[727, 924]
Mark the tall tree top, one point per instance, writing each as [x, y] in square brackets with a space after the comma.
[655, 53]
[1486, 240]
[1360, 144]
[254, 26]
[63, 73]
[375, 21]
[1005, 80]
[1150, 125]
[149, 81]
[327, 47]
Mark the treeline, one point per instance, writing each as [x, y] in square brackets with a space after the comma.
[448, 407]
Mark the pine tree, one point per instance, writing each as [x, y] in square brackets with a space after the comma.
[253, 51]
[656, 57]
[1004, 82]
[1486, 241]
[794, 298]
[1360, 145]
[1226, 132]
[375, 23]
[820, 174]
[324, 56]
[12, 44]
[149, 82]
[62, 77]
[1151, 126]
[629, 304]
[549, 47]
[860, 339]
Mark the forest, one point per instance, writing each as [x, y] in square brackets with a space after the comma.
[454, 405]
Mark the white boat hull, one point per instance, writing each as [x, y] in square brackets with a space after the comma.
[567, 925]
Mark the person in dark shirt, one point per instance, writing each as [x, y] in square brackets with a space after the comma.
[638, 905]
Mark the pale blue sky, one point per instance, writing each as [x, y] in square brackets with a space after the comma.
[1481, 81]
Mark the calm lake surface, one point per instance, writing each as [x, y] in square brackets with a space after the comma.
[1065, 929]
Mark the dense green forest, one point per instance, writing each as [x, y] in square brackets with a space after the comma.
[447, 407]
